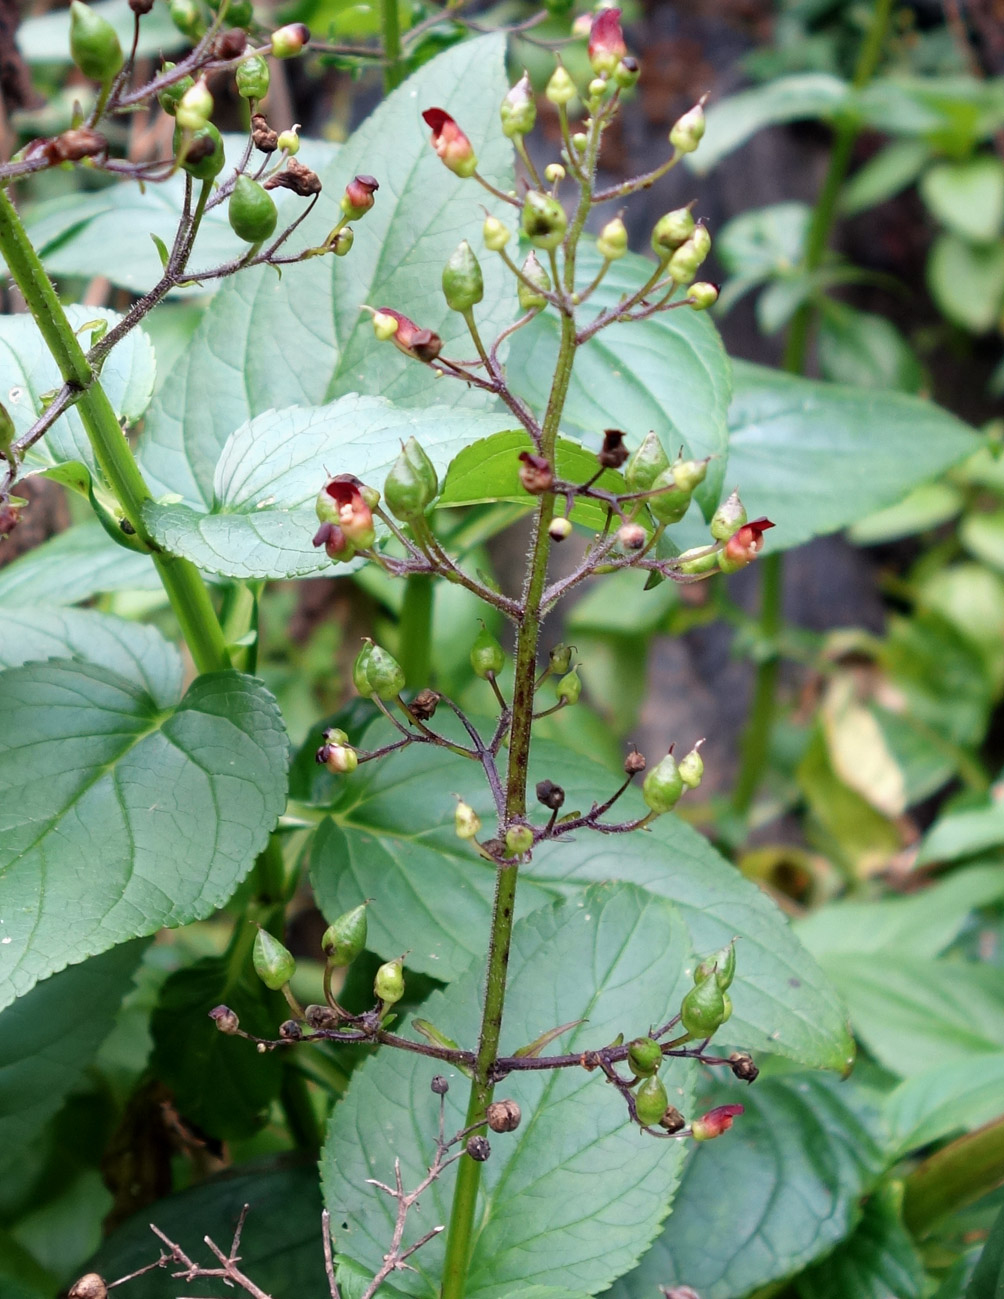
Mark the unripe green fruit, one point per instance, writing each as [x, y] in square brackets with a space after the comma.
[360, 678]
[412, 484]
[495, 234]
[210, 166]
[672, 230]
[383, 673]
[240, 13]
[345, 938]
[289, 142]
[651, 1101]
[691, 767]
[727, 1001]
[544, 221]
[487, 655]
[518, 110]
[251, 211]
[702, 1011]
[689, 474]
[728, 518]
[560, 88]
[662, 786]
[463, 284]
[721, 964]
[388, 985]
[645, 466]
[688, 131]
[272, 963]
[535, 273]
[627, 72]
[569, 687]
[171, 96]
[613, 240]
[195, 106]
[671, 504]
[253, 78]
[560, 658]
[698, 560]
[645, 1057]
[518, 840]
[94, 45]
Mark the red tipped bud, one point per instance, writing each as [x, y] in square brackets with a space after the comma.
[535, 473]
[358, 197]
[450, 143]
[407, 337]
[288, 41]
[606, 42]
[744, 546]
[715, 1122]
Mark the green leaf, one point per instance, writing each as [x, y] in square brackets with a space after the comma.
[963, 834]
[545, 1217]
[988, 1278]
[218, 1082]
[952, 112]
[952, 1098]
[734, 120]
[967, 281]
[762, 1201]
[971, 597]
[759, 245]
[883, 176]
[49, 1037]
[866, 351]
[967, 197]
[668, 373]
[927, 506]
[281, 1245]
[879, 1261]
[264, 344]
[122, 814]
[983, 536]
[73, 566]
[270, 471]
[392, 839]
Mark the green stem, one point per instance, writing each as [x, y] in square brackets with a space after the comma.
[415, 640]
[301, 1118]
[755, 740]
[393, 73]
[954, 1176]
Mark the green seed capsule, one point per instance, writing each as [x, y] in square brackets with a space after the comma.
[345, 938]
[171, 96]
[560, 658]
[691, 767]
[388, 986]
[569, 687]
[495, 234]
[612, 242]
[383, 673]
[487, 655]
[671, 504]
[689, 474]
[195, 106]
[560, 88]
[702, 1011]
[272, 963]
[535, 273]
[697, 560]
[721, 964]
[651, 1101]
[359, 677]
[645, 466]
[463, 284]
[466, 821]
[94, 45]
[412, 484]
[253, 78]
[727, 1000]
[518, 840]
[200, 165]
[728, 518]
[672, 230]
[251, 211]
[645, 1057]
[544, 221]
[662, 786]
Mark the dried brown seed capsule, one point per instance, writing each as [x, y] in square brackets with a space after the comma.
[91, 1286]
[439, 1085]
[226, 1019]
[535, 473]
[264, 137]
[613, 453]
[230, 44]
[550, 794]
[503, 1116]
[290, 1031]
[295, 176]
[634, 763]
[321, 1017]
[425, 703]
[672, 1120]
[478, 1149]
[71, 146]
[743, 1066]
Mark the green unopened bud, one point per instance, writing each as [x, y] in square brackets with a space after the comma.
[252, 78]
[466, 821]
[644, 1057]
[599, 87]
[384, 325]
[627, 72]
[721, 964]
[645, 466]
[672, 230]
[689, 257]
[580, 140]
[702, 1011]
[195, 107]
[728, 518]
[495, 234]
[560, 658]
[671, 503]
[170, 97]
[703, 295]
[487, 655]
[518, 110]
[94, 45]
[518, 840]
[689, 474]
[535, 273]
[383, 673]
[691, 767]
[554, 171]
[288, 41]
[569, 687]
[7, 430]
[612, 243]
[272, 963]
[340, 243]
[412, 484]
[650, 1101]
[463, 284]
[688, 131]
[388, 986]
[251, 211]
[289, 141]
[187, 17]
[544, 220]
[662, 786]
[560, 88]
[345, 938]
[204, 156]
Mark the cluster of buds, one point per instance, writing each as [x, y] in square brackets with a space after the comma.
[665, 783]
[707, 1006]
[682, 246]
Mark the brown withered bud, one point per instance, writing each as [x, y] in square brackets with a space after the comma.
[264, 137]
[10, 517]
[295, 176]
[743, 1066]
[535, 473]
[496, 849]
[478, 1149]
[71, 146]
[140, 7]
[290, 1030]
[226, 1019]
[425, 703]
[550, 794]
[229, 44]
[613, 452]
[503, 1116]
[90, 1286]
[321, 1017]
[634, 762]
[672, 1120]
[439, 1085]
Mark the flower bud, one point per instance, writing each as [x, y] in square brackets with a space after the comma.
[340, 502]
[691, 767]
[743, 1067]
[599, 87]
[487, 655]
[91, 1285]
[340, 243]
[466, 821]
[613, 452]
[409, 338]
[340, 759]
[606, 42]
[560, 658]
[685, 262]
[345, 937]
[650, 1100]
[518, 840]
[613, 240]
[670, 231]
[535, 473]
[544, 221]
[715, 1122]
[535, 273]
[463, 284]
[627, 72]
[631, 537]
[554, 171]
[559, 528]
[721, 964]
[251, 211]
[272, 963]
[495, 234]
[478, 1148]
[412, 484]
[384, 674]
[702, 1011]
[439, 1085]
[662, 786]
[94, 45]
[518, 110]
[703, 295]
[253, 78]
[288, 41]
[728, 518]
[688, 131]
[289, 141]
[195, 106]
[644, 1056]
[226, 1019]
[204, 156]
[503, 1116]
[744, 546]
[689, 474]
[645, 466]
[388, 985]
[170, 97]
[187, 17]
[580, 140]
[450, 143]
[550, 794]
[358, 197]
[569, 687]
[560, 88]
[634, 763]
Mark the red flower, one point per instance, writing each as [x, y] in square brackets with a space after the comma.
[606, 42]
[449, 141]
[744, 546]
[343, 510]
[715, 1122]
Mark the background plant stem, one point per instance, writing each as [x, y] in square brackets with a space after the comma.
[415, 643]
[954, 1176]
[394, 70]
